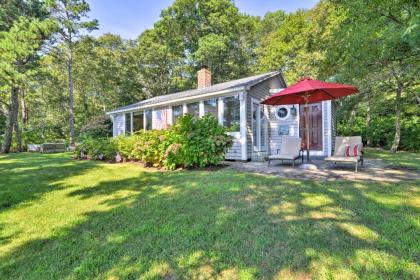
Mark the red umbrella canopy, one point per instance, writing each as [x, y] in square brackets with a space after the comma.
[310, 91]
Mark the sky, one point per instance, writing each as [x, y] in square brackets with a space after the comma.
[129, 18]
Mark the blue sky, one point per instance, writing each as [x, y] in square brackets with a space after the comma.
[129, 18]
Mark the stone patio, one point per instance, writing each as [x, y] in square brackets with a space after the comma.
[373, 170]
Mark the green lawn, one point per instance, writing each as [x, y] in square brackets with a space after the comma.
[400, 158]
[61, 218]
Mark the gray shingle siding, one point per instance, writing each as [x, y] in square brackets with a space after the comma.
[260, 92]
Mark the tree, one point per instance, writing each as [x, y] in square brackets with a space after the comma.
[194, 32]
[389, 35]
[19, 48]
[69, 15]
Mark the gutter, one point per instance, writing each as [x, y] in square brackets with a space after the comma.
[178, 100]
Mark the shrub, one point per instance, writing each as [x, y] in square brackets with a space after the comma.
[99, 149]
[97, 127]
[189, 143]
[196, 142]
[382, 130]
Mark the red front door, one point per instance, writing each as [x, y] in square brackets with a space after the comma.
[315, 126]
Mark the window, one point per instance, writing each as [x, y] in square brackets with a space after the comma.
[282, 112]
[138, 123]
[210, 107]
[128, 124]
[193, 109]
[176, 112]
[231, 113]
[148, 116]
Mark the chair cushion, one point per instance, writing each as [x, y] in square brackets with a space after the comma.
[341, 144]
[291, 157]
[290, 147]
[342, 159]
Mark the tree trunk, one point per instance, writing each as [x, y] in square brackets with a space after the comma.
[71, 100]
[397, 136]
[12, 116]
[24, 107]
[18, 136]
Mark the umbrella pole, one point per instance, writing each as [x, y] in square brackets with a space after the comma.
[307, 126]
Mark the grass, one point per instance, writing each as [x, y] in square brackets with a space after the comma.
[65, 219]
[400, 158]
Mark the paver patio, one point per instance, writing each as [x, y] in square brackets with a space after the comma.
[373, 170]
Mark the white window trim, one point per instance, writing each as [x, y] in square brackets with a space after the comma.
[279, 107]
[243, 120]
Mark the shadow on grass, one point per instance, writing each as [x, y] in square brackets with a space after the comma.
[223, 224]
[24, 177]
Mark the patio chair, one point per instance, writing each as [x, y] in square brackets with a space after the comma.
[339, 153]
[289, 150]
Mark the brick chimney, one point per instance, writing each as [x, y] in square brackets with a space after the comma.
[203, 77]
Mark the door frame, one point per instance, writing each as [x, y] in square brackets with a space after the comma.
[258, 140]
[317, 152]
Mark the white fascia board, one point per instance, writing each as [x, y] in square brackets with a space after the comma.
[276, 90]
[180, 100]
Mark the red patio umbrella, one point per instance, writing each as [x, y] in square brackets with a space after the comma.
[309, 91]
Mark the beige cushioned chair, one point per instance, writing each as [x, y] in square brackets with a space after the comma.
[341, 144]
[289, 150]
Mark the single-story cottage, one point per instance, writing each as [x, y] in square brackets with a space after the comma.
[257, 129]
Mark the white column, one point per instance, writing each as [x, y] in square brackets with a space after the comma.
[184, 108]
[242, 98]
[131, 122]
[220, 105]
[201, 108]
[170, 116]
[124, 120]
[144, 120]
[329, 127]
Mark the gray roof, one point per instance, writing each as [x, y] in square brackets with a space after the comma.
[244, 82]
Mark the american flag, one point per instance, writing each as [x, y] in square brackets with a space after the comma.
[160, 120]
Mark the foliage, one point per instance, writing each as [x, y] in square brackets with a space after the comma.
[97, 127]
[127, 222]
[197, 142]
[98, 149]
[381, 131]
[370, 44]
[191, 142]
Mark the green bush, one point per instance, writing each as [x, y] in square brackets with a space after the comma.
[97, 127]
[99, 149]
[189, 143]
[382, 130]
[196, 143]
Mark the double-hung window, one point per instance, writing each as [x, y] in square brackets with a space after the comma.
[231, 113]
[176, 112]
[149, 119]
[194, 109]
[211, 107]
[127, 123]
[138, 121]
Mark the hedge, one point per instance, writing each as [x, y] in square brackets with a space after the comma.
[189, 143]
